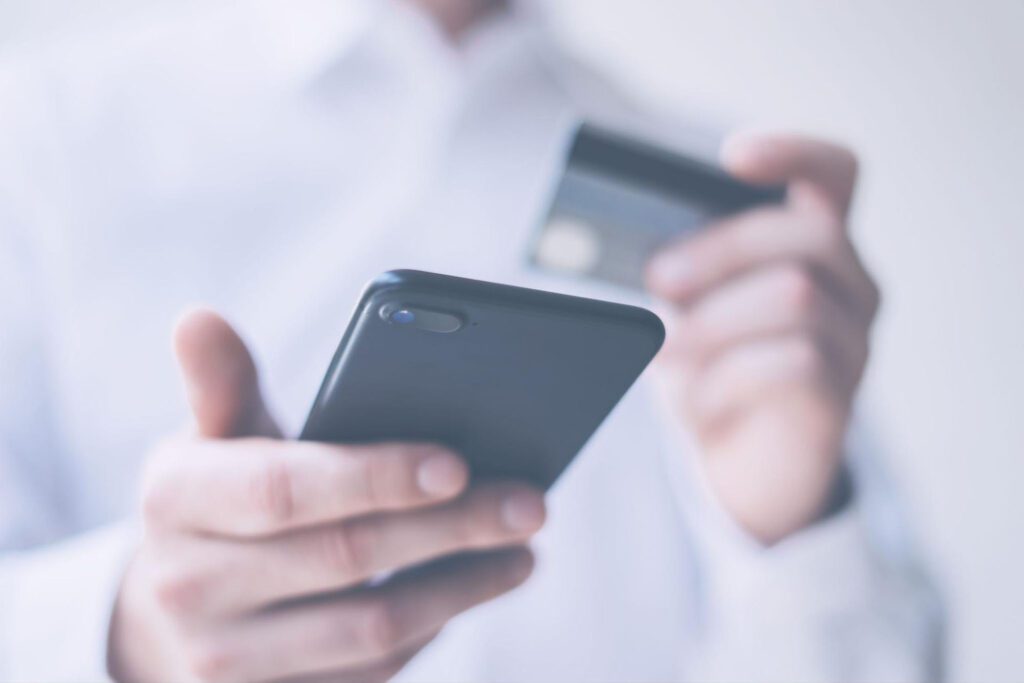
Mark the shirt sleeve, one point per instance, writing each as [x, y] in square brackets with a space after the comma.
[844, 600]
[56, 606]
[55, 595]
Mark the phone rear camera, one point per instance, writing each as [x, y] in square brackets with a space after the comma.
[403, 317]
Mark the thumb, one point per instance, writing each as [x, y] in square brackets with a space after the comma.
[220, 378]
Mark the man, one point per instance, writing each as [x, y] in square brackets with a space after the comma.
[268, 160]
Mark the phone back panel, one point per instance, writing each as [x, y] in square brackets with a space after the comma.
[517, 390]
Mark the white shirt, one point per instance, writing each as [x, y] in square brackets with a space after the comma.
[269, 158]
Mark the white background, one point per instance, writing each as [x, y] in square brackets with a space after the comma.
[931, 93]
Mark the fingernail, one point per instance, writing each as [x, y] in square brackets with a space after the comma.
[523, 512]
[670, 271]
[441, 475]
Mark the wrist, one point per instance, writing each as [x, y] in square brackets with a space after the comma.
[772, 503]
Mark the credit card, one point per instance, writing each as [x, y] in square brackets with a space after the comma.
[620, 199]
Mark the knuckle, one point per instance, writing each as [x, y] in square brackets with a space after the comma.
[377, 476]
[343, 550]
[178, 592]
[209, 662]
[830, 234]
[799, 290]
[808, 356]
[380, 628]
[730, 240]
[463, 533]
[389, 476]
[694, 335]
[272, 493]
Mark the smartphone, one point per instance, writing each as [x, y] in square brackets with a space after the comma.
[515, 380]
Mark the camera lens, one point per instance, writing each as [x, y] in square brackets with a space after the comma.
[403, 317]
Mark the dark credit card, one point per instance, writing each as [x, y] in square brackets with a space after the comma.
[620, 199]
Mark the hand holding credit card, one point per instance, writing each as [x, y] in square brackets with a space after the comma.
[620, 199]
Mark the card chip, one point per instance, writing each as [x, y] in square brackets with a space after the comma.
[569, 245]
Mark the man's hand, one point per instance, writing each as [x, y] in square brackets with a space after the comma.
[768, 335]
[257, 551]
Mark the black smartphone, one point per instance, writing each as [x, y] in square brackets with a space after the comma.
[515, 380]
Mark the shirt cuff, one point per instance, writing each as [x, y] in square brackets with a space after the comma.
[818, 570]
[61, 598]
[799, 610]
[822, 567]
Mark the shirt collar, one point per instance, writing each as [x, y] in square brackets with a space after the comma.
[304, 36]
[310, 38]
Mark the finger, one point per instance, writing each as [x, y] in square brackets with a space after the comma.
[744, 376]
[260, 487]
[779, 300]
[687, 270]
[361, 629]
[374, 673]
[220, 378]
[780, 158]
[216, 578]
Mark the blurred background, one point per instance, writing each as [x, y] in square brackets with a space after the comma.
[931, 94]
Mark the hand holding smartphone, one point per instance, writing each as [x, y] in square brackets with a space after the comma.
[262, 557]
